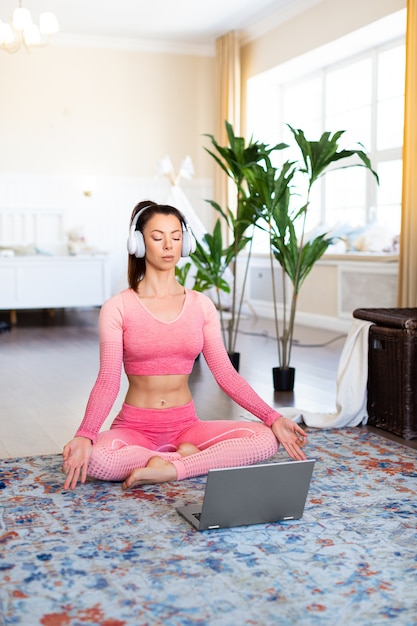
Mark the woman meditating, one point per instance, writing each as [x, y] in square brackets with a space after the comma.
[155, 329]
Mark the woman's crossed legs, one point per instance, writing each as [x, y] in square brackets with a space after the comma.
[125, 454]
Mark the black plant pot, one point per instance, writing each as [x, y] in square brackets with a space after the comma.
[283, 378]
[235, 359]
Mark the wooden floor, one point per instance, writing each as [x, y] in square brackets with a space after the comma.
[49, 364]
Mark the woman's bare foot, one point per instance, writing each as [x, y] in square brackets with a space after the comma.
[187, 449]
[157, 470]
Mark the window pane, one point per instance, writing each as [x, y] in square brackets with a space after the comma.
[295, 97]
[260, 243]
[314, 213]
[391, 73]
[356, 123]
[390, 123]
[345, 196]
[263, 110]
[349, 87]
[390, 96]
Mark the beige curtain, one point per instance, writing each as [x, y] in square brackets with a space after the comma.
[407, 283]
[227, 104]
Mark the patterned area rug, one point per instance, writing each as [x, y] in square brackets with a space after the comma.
[98, 556]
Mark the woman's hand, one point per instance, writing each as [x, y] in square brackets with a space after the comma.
[292, 437]
[76, 456]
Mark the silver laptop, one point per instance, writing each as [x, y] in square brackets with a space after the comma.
[253, 494]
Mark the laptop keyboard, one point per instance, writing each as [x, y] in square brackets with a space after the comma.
[197, 516]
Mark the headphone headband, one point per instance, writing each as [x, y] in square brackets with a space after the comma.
[139, 213]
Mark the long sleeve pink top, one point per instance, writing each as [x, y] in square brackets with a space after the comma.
[132, 337]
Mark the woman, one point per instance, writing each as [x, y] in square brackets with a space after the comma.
[156, 329]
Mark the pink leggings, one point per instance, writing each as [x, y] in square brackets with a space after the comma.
[137, 435]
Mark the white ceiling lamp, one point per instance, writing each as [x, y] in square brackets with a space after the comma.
[22, 31]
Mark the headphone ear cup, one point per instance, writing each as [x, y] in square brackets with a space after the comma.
[131, 242]
[140, 245]
[188, 242]
[136, 243]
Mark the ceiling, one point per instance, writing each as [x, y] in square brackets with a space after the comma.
[175, 22]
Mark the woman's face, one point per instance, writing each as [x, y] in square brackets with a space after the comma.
[163, 241]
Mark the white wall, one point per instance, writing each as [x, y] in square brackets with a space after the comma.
[78, 111]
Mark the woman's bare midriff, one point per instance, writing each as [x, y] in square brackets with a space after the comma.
[158, 392]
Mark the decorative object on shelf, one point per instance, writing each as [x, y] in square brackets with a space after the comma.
[78, 245]
[21, 31]
[284, 195]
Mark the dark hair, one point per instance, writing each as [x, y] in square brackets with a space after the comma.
[136, 267]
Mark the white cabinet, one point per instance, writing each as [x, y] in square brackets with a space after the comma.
[38, 282]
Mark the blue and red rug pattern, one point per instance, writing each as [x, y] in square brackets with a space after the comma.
[100, 556]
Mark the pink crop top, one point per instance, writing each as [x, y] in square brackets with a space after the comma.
[132, 337]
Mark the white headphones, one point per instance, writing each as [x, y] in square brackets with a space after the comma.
[136, 242]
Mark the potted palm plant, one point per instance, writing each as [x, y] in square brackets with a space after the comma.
[285, 220]
[235, 159]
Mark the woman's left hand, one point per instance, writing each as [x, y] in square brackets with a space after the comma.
[291, 436]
